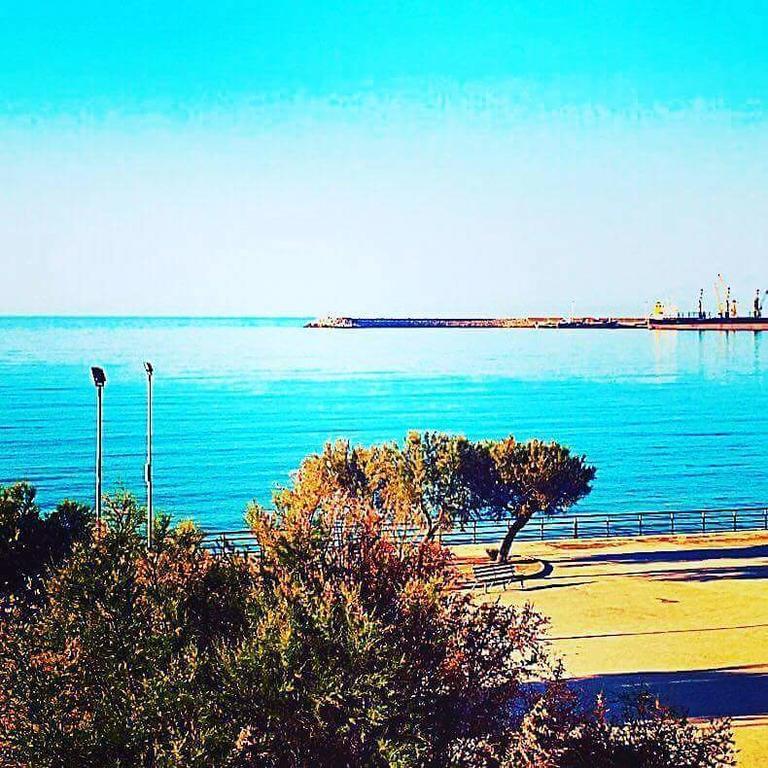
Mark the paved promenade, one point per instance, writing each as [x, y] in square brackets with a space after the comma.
[686, 615]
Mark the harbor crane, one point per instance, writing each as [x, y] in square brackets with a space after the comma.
[725, 307]
[719, 291]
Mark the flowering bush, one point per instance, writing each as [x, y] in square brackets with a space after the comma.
[326, 650]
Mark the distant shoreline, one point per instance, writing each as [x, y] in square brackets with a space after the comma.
[478, 322]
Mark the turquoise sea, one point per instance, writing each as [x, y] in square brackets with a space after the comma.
[672, 420]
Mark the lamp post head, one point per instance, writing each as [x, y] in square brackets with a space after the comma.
[99, 377]
[148, 368]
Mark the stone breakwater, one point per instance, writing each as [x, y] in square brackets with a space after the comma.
[479, 322]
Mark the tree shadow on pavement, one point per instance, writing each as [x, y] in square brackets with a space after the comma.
[676, 555]
[720, 692]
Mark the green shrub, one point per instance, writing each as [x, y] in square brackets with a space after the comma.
[327, 650]
[645, 734]
[30, 542]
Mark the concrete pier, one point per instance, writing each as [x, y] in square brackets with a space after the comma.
[479, 322]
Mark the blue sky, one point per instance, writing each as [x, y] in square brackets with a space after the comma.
[386, 157]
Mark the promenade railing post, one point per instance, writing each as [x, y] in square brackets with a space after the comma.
[608, 527]
[703, 521]
[474, 531]
[672, 523]
[541, 529]
[734, 521]
[640, 525]
[575, 527]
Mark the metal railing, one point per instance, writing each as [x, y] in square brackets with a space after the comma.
[551, 528]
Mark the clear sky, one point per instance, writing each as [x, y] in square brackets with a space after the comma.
[462, 157]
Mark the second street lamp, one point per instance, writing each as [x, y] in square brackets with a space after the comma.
[99, 379]
[148, 466]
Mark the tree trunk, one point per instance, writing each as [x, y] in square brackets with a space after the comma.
[512, 531]
[431, 528]
[430, 525]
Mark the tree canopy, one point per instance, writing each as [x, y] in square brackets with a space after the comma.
[436, 481]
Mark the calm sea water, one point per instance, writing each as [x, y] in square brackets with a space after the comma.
[670, 420]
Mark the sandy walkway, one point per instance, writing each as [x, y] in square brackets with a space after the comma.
[686, 615]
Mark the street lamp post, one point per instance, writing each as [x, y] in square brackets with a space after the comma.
[148, 466]
[99, 379]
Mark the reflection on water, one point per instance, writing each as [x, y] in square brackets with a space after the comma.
[670, 419]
